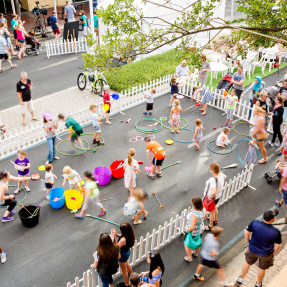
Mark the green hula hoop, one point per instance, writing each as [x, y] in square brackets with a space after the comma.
[94, 148]
[146, 131]
[237, 152]
[169, 128]
[5, 206]
[221, 153]
[238, 124]
[57, 149]
[182, 141]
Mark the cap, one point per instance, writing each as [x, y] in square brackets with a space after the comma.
[106, 87]
[270, 214]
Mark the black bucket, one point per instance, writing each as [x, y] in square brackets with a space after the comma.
[27, 219]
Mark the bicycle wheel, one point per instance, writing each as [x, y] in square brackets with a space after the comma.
[99, 87]
[82, 81]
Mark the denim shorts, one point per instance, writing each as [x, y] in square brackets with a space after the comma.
[284, 196]
[124, 256]
[285, 115]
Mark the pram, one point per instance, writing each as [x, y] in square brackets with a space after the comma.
[225, 83]
[277, 172]
[34, 46]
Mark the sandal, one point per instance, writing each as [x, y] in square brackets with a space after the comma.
[177, 132]
[172, 132]
[201, 110]
[137, 222]
[24, 124]
[35, 119]
[13, 66]
[203, 114]
[194, 254]
[19, 57]
[262, 161]
[1, 71]
[215, 222]
[208, 228]
[187, 259]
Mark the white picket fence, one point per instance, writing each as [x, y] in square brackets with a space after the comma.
[168, 231]
[61, 47]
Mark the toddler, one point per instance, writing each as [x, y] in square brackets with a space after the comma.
[72, 176]
[149, 102]
[230, 107]
[135, 279]
[198, 134]
[107, 101]
[251, 155]
[175, 116]
[96, 125]
[222, 139]
[49, 178]
[22, 164]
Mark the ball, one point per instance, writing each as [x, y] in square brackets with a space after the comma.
[214, 128]
[221, 126]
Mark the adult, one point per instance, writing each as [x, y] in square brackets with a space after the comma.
[213, 190]
[24, 87]
[283, 94]
[206, 95]
[21, 33]
[7, 199]
[195, 225]
[69, 12]
[50, 127]
[5, 54]
[183, 72]
[106, 259]
[259, 131]
[263, 244]
[254, 89]
[237, 81]
[203, 72]
[262, 101]
[159, 156]
[83, 20]
[14, 24]
[283, 189]
[55, 25]
[2, 19]
[96, 23]
[126, 242]
[6, 35]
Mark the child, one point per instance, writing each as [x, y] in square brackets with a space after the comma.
[96, 125]
[230, 107]
[174, 97]
[131, 168]
[209, 254]
[173, 89]
[134, 207]
[72, 176]
[251, 155]
[107, 101]
[135, 279]
[155, 272]
[222, 139]
[149, 102]
[283, 149]
[279, 169]
[76, 130]
[93, 195]
[49, 178]
[198, 134]
[175, 116]
[22, 164]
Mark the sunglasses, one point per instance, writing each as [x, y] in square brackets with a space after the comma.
[152, 253]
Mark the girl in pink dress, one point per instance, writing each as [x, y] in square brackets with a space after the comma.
[175, 116]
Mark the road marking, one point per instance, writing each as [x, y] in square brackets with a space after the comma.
[59, 63]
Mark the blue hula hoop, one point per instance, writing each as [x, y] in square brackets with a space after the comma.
[237, 153]
[221, 153]
[182, 141]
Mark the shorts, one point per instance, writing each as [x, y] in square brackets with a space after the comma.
[264, 261]
[48, 185]
[229, 114]
[15, 35]
[262, 140]
[74, 137]
[157, 162]
[125, 256]
[284, 196]
[21, 175]
[71, 19]
[85, 30]
[57, 31]
[149, 106]
[285, 115]
[238, 93]
[217, 200]
[3, 56]
[97, 129]
[21, 41]
[29, 105]
[210, 263]
[108, 111]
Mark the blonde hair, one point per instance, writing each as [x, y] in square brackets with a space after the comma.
[139, 194]
[153, 90]
[67, 170]
[173, 80]
[226, 130]
[92, 106]
[176, 102]
[215, 167]
[131, 154]
[174, 96]
[259, 110]
[22, 151]
[216, 231]
[198, 122]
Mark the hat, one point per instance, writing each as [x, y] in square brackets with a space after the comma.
[106, 87]
[270, 214]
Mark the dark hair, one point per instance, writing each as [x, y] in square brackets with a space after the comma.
[128, 233]
[216, 231]
[48, 167]
[135, 279]
[107, 250]
[44, 120]
[197, 202]
[285, 80]
[89, 175]
[147, 139]
[155, 262]
[61, 116]
[3, 174]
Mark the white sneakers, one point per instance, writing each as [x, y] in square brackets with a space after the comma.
[3, 257]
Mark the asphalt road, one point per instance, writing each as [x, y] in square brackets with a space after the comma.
[60, 247]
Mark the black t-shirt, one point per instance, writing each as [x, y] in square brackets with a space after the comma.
[278, 115]
[283, 92]
[25, 90]
[263, 105]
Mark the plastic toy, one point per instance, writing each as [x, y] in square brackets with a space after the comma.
[160, 205]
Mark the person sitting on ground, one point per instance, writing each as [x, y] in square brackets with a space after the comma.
[222, 139]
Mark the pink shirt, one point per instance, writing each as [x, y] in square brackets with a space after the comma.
[20, 35]
[107, 98]
[284, 174]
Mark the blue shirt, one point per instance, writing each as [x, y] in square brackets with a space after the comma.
[96, 21]
[95, 120]
[13, 23]
[174, 88]
[210, 244]
[70, 11]
[84, 18]
[2, 44]
[182, 71]
[263, 238]
[53, 20]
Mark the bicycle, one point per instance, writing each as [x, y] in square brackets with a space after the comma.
[96, 79]
[40, 24]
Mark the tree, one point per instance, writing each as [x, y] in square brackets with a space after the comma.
[262, 26]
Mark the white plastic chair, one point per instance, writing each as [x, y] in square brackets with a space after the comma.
[247, 66]
[269, 59]
[217, 59]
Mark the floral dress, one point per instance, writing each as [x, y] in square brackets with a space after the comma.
[130, 173]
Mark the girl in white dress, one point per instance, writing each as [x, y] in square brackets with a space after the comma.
[222, 139]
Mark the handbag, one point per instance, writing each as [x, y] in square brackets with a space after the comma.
[193, 242]
[209, 204]
[262, 136]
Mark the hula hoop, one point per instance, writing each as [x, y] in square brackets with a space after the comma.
[136, 139]
[169, 128]
[146, 131]
[221, 153]
[182, 141]
[237, 153]
[66, 154]
[94, 148]
[151, 136]
[238, 124]
[5, 206]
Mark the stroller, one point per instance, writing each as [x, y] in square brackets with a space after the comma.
[33, 46]
[223, 85]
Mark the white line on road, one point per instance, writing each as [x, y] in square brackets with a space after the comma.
[59, 63]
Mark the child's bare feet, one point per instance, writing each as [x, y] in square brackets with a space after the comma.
[137, 222]
[222, 145]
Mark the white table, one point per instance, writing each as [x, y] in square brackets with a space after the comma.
[216, 67]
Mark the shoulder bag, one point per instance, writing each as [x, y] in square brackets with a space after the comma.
[196, 241]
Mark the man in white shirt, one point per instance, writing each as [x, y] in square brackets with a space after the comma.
[69, 12]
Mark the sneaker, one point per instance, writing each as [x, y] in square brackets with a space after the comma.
[99, 143]
[226, 124]
[279, 153]
[230, 126]
[77, 215]
[150, 175]
[198, 277]
[7, 219]
[3, 257]
[56, 157]
[278, 144]
[27, 188]
[272, 144]
[102, 213]
[277, 202]
[159, 174]
[17, 190]
[150, 113]
[145, 113]
[259, 285]
[94, 141]
[238, 282]
[11, 213]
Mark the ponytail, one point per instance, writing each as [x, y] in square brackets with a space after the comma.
[89, 175]
[131, 154]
